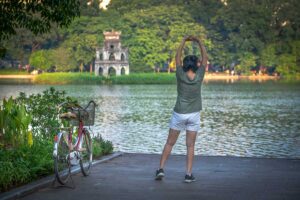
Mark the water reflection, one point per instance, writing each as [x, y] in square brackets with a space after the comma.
[239, 119]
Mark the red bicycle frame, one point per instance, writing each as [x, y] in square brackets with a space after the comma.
[79, 136]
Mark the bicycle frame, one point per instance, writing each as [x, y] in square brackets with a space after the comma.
[78, 142]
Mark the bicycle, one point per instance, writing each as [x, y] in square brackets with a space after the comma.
[69, 149]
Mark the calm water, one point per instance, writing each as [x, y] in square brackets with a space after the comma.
[238, 119]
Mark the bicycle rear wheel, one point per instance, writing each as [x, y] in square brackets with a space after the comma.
[62, 164]
[86, 155]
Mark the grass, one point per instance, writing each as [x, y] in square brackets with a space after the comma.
[144, 78]
[13, 72]
[68, 78]
[86, 78]
[292, 77]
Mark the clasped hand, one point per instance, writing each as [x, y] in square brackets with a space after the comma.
[191, 38]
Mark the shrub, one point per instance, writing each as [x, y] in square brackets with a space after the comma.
[14, 124]
[101, 146]
[24, 164]
[43, 108]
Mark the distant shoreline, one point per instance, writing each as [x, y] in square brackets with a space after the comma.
[238, 77]
[208, 76]
[16, 76]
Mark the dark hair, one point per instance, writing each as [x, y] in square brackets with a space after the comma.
[190, 63]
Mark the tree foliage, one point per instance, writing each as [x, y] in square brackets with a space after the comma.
[238, 32]
[35, 15]
[40, 59]
[247, 60]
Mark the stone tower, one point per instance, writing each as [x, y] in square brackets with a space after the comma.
[112, 57]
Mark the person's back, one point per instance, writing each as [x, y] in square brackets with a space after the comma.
[189, 90]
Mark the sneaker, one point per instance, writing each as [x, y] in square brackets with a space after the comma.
[159, 174]
[189, 178]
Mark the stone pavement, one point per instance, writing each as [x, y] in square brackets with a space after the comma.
[131, 176]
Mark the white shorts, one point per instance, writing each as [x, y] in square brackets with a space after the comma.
[189, 121]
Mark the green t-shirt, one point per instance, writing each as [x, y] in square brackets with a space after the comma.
[189, 91]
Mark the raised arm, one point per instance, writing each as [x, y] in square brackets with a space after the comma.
[203, 53]
[201, 46]
[179, 52]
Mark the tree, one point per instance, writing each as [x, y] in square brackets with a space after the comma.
[287, 64]
[268, 56]
[62, 60]
[153, 34]
[81, 48]
[247, 60]
[146, 49]
[41, 59]
[255, 30]
[245, 25]
[20, 46]
[35, 15]
[285, 21]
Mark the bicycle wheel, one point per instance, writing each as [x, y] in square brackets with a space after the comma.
[61, 155]
[86, 155]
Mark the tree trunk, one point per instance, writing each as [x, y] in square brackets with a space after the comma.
[34, 47]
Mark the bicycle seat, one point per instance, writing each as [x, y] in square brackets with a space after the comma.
[68, 115]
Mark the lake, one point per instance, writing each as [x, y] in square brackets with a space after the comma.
[249, 119]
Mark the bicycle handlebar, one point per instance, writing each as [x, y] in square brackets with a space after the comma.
[75, 106]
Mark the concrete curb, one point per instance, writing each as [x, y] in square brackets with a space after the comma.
[44, 182]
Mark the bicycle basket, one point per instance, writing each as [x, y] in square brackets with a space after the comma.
[87, 115]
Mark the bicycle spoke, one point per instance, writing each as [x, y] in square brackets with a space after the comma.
[62, 163]
[86, 155]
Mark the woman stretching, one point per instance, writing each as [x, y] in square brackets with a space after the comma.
[186, 114]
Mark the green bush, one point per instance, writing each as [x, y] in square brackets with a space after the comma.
[43, 108]
[13, 173]
[22, 161]
[24, 164]
[40, 59]
[101, 146]
[14, 123]
[97, 149]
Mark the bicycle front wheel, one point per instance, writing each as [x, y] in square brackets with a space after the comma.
[86, 154]
[61, 155]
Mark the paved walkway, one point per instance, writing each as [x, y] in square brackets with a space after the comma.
[131, 176]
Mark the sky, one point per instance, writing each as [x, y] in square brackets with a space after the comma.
[104, 3]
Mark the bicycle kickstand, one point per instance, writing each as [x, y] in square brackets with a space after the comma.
[55, 184]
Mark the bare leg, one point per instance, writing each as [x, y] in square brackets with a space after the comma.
[172, 138]
[190, 144]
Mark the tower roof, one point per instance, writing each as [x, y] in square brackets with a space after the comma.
[113, 35]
